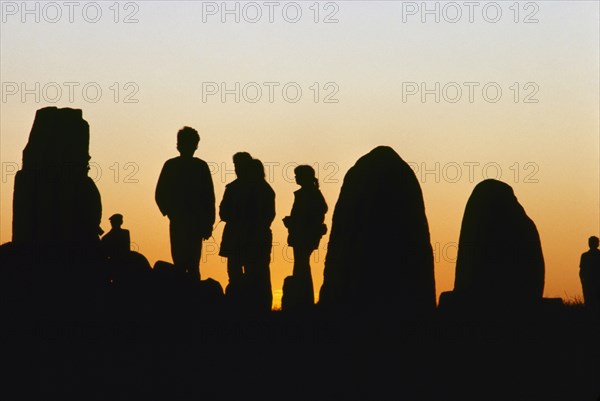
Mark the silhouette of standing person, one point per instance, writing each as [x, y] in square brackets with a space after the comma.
[259, 239]
[185, 193]
[305, 227]
[116, 243]
[233, 211]
[589, 273]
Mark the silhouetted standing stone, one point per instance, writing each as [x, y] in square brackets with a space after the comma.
[56, 206]
[499, 254]
[379, 254]
[56, 219]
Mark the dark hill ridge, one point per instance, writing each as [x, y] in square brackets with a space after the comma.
[379, 253]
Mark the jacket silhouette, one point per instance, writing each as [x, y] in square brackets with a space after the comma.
[305, 223]
[248, 209]
[234, 211]
[305, 229]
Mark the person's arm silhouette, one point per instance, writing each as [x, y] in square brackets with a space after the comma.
[162, 194]
[208, 193]
[266, 205]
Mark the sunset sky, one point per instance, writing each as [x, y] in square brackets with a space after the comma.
[506, 90]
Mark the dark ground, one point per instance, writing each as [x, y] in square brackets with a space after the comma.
[553, 355]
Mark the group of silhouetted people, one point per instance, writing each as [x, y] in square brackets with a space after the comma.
[185, 194]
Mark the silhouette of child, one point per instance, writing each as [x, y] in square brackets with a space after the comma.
[185, 193]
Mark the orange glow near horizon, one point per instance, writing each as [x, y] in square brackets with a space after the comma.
[541, 136]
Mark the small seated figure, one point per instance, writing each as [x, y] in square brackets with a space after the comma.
[116, 243]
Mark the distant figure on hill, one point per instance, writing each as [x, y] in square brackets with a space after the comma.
[305, 227]
[116, 243]
[126, 268]
[185, 193]
[589, 273]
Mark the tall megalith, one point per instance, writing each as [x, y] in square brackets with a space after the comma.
[379, 256]
[56, 205]
[499, 253]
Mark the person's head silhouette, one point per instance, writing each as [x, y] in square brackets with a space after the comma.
[116, 220]
[256, 169]
[187, 141]
[241, 162]
[593, 242]
[305, 176]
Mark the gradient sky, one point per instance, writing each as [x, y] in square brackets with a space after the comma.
[548, 150]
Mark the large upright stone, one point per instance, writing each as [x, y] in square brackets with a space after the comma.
[500, 256]
[56, 206]
[379, 255]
